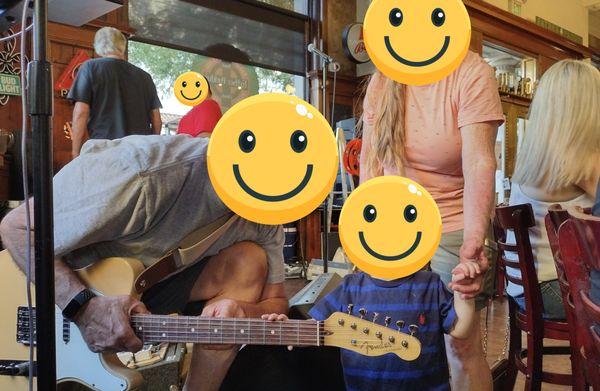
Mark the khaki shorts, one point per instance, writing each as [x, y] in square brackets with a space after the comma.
[447, 257]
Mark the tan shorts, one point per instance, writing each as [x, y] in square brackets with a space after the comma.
[447, 257]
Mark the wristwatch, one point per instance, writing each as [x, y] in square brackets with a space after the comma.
[76, 303]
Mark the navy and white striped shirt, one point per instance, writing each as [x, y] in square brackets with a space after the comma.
[420, 299]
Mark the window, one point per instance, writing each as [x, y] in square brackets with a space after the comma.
[299, 6]
[238, 31]
[230, 81]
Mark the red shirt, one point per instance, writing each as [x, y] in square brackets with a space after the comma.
[201, 118]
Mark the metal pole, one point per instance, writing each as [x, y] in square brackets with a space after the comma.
[325, 204]
[40, 110]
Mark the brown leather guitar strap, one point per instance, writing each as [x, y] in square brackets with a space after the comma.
[191, 249]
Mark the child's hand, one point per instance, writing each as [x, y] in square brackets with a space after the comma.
[467, 271]
[274, 317]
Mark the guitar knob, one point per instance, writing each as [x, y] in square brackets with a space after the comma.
[362, 312]
[413, 329]
[375, 316]
[350, 307]
[400, 324]
[388, 320]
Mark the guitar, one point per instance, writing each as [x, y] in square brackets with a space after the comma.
[105, 372]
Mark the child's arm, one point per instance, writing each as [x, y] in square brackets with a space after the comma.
[465, 308]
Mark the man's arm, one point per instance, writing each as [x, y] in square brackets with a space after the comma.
[479, 168]
[103, 321]
[81, 115]
[156, 121]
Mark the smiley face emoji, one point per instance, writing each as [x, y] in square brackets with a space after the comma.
[272, 158]
[390, 227]
[417, 42]
[191, 88]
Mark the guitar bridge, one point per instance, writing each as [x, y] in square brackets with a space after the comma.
[23, 326]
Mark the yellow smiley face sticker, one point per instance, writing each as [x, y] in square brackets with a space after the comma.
[390, 227]
[191, 88]
[272, 158]
[417, 42]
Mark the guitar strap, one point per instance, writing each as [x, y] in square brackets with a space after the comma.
[191, 249]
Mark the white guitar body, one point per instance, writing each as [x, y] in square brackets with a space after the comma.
[74, 361]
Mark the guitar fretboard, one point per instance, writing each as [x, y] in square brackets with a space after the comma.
[188, 329]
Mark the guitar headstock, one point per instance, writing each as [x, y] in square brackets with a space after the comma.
[368, 338]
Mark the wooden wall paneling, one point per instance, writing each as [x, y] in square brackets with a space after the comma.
[543, 63]
[476, 42]
[339, 14]
[511, 29]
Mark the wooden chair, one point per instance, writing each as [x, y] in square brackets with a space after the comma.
[579, 241]
[499, 236]
[554, 219]
[520, 218]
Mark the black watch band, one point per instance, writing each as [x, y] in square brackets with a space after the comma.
[76, 303]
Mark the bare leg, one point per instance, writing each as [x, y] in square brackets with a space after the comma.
[238, 273]
[468, 367]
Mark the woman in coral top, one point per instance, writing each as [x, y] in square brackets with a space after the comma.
[442, 136]
[201, 120]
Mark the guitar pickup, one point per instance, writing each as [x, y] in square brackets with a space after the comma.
[23, 322]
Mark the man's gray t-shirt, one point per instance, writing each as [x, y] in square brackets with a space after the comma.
[139, 197]
[121, 97]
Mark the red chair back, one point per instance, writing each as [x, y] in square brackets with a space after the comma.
[579, 242]
[519, 218]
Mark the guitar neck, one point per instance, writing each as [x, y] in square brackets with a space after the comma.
[237, 331]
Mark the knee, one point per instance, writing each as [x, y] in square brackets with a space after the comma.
[247, 265]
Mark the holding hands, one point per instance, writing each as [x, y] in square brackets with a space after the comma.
[468, 273]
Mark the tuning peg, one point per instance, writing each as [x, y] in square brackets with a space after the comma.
[375, 316]
[350, 307]
[400, 324]
[388, 320]
[362, 312]
[378, 334]
[413, 329]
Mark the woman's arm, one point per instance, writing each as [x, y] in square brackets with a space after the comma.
[479, 169]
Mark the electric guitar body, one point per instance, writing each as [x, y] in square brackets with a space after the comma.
[75, 362]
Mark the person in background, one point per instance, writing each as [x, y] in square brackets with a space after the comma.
[558, 163]
[201, 120]
[595, 274]
[442, 136]
[113, 98]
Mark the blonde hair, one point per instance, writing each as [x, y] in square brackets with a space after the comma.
[109, 40]
[388, 128]
[561, 146]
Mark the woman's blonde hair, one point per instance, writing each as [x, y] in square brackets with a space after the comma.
[388, 127]
[109, 40]
[561, 146]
